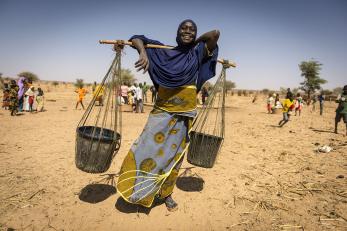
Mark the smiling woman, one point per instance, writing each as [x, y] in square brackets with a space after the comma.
[150, 168]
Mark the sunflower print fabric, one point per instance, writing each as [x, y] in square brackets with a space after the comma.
[151, 167]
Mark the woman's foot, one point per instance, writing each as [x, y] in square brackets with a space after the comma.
[171, 205]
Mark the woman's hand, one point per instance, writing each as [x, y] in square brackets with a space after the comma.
[211, 39]
[142, 63]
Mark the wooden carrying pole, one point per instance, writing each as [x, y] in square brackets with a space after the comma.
[124, 42]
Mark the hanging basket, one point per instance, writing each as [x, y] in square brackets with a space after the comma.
[203, 149]
[98, 134]
[95, 148]
[207, 133]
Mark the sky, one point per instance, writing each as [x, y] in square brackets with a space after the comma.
[268, 39]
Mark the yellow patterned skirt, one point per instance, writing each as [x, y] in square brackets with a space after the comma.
[151, 166]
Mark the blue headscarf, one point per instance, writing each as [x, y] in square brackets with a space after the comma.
[181, 65]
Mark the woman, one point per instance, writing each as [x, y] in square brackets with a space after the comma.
[21, 85]
[40, 99]
[150, 169]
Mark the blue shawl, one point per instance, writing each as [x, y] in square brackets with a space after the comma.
[179, 66]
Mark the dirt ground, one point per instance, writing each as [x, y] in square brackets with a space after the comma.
[265, 178]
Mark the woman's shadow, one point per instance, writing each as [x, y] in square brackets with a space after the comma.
[125, 207]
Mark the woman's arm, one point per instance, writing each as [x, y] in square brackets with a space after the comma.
[143, 62]
[210, 38]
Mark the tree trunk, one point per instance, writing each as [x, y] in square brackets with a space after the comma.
[308, 97]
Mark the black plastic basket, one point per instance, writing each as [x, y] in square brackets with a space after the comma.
[95, 148]
[203, 149]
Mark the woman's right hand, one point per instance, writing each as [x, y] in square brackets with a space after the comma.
[142, 63]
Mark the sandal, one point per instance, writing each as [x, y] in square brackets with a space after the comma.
[171, 205]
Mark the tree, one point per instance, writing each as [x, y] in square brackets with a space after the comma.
[310, 71]
[265, 91]
[229, 85]
[29, 76]
[128, 77]
[79, 83]
[327, 92]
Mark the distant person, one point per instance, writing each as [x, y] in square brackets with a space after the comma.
[341, 110]
[99, 94]
[204, 95]
[81, 94]
[289, 91]
[321, 99]
[286, 106]
[298, 104]
[30, 94]
[124, 93]
[144, 92]
[94, 87]
[40, 99]
[269, 102]
[6, 96]
[21, 90]
[26, 106]
[131, 97]
[13, 98]
[154, 93]
[138, 98]
[255, 98]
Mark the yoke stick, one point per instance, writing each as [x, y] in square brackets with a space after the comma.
[124, 42]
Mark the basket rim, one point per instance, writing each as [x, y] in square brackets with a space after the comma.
[82, 131]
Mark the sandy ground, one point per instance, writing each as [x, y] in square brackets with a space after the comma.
[265, 178]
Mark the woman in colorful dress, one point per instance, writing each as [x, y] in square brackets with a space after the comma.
[150, 169]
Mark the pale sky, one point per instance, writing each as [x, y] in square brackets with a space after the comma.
[58, 40]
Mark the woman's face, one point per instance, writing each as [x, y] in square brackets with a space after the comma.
[187, 33]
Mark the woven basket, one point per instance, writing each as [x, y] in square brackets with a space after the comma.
[203, 149]
[95, 148]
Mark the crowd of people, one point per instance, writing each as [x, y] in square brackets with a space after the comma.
[295, 104]
[136, 95]
[22, 96]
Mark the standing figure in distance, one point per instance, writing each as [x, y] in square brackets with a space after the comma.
[341, 110]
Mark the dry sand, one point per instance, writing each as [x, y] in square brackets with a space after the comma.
[266, 178]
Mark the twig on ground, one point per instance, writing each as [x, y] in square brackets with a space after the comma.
[291, 227]
[245, 222]
[41, 190]
[11, 196]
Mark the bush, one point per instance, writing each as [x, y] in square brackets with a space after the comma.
[55, 83]
[29, 76]
[79, 83]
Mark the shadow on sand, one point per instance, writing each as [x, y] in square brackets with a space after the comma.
[95, 193]
[190, 183]
[320, 131]
[125, 207]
